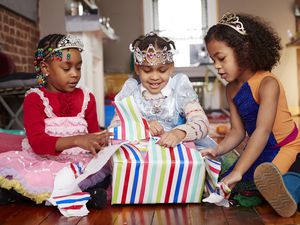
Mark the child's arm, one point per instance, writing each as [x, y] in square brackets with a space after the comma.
[43, 143]
[268, 95]
[156, 128]
[91, 142]
[196, 126]
[236, 133]
[91, 115]
[34, 125]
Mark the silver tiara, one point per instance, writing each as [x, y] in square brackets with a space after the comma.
[233, 21]
[69, 41]
[151, 55]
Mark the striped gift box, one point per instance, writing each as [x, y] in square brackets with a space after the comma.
[158, 175]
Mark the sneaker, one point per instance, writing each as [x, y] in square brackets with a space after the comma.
[98, 198]
[269, 182]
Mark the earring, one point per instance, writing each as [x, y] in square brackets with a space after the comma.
[42, 79]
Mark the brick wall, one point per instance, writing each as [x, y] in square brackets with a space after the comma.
[18, 37]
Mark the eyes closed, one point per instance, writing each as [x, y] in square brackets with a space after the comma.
[68, 66]
[219, 58]
[148, 69]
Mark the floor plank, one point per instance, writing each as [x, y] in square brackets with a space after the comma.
[105, 216]
[24, 214]
[207, 214]
[171, 214]
[56, 218]
[157, 214]
[269, 216]
[133, 215]
[242, 216]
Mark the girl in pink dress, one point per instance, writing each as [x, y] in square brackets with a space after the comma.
[61, 127]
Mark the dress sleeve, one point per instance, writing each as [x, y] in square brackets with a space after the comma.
[91, 115]
[129, 88]
[184, 90]
[34, 124]
[196, 126]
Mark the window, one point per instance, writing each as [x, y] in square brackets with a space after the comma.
[185, 22]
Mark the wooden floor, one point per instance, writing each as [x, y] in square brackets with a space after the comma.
[162, 214]
[190, 214]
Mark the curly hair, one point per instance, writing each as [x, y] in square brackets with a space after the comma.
[258, 50]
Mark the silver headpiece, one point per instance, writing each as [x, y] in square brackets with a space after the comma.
[233, 21]
[69, 41]
[152, 56]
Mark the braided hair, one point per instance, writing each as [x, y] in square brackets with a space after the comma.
[144, 41]
[43, 53]
[151, 49]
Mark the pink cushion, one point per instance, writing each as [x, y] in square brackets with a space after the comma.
[10, 142]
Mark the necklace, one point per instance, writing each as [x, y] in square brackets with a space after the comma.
[155, 103]
[156, 107]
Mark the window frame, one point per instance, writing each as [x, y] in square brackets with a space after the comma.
[148, 13]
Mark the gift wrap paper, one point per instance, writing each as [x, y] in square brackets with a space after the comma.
[157, 174]
[132, 124]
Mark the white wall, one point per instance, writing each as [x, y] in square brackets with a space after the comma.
[52, 17]
[126, 18]
[281, 16]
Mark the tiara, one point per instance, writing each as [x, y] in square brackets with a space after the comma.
[69, 41]
[233, 21]
[151, 55]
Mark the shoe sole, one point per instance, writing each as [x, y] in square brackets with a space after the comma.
[269, 182]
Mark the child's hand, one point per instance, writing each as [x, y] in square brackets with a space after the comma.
[94, 142]
[171, 138]
[210, 152]
[232, 179]
[155, 128]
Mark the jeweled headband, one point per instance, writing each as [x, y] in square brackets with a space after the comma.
[152, 56]
[67, 42]
[233, 21]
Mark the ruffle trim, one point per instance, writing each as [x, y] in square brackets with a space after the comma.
[72, 121]
[64, 133]
[86, 99]
[75, 151]
[17, 186]
[48, 108]
[65, 156]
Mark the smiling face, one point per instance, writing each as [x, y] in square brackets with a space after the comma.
[63, 75]
[154, 78]
[224, 60]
